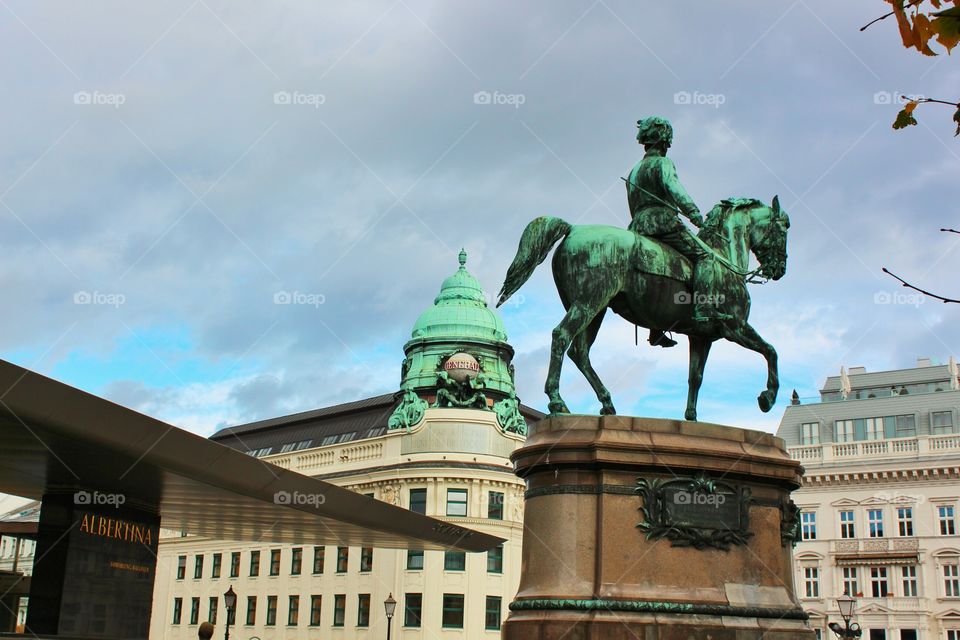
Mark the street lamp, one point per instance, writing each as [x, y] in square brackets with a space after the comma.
[229, 599]
[389, 607]
[850, 631]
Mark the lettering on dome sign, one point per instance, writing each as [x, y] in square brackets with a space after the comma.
[695, 512]
[461, 366]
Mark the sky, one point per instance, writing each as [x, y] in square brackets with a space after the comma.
[171, 173]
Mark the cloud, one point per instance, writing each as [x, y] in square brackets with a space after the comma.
[202, 196]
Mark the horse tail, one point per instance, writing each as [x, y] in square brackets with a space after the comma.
[535, 243]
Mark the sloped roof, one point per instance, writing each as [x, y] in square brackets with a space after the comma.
[365, 418]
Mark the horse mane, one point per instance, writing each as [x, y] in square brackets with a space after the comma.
[717, 216]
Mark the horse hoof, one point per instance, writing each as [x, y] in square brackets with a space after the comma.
[558, 407]
[690, 415]
[765, 400]
[608, 411]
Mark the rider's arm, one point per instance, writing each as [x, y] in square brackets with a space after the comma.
[679, 195]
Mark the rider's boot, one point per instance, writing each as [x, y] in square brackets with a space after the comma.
[659, 339]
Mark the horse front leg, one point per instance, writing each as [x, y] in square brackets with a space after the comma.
[699, 350]
[746, 336]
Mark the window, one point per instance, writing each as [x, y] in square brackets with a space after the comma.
[271, 611]
[810, 433]
[366, 559]
[908, 634]
[811, 582]
[945, 514]
[293, 611]
[492, 618]
[454, 561]
[234, 564]
[452, 611]
[315, 610]
[194, 610]
[874, 428]
[328, 440]
[495, 505]
[414, 560]
[181, 567]
[953, 634]
[847, 528]
[339, 609]
[363, 610]
[456, 502]
[177, 610]
[495, 560]
[254, 564]
[418, 501]
[198, 567]
[413, 610]
[941, 422]
[878, 582]
[875, 522]
[343, 556]
[905, 521]
[251, 609]
[906, 426]
[808, 529]
[951, 580]
[296, 560]
[318, 559]
[850, 584]
[909, 575]
[844, 430]
[215, 569]
[275, 562]
[212, 610]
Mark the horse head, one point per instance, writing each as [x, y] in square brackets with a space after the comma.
[768, 238]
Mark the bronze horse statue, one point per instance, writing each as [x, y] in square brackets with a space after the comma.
[647, 283]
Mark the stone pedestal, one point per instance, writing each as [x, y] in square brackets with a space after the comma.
[637, 528]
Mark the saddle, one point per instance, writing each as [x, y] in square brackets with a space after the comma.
[674, 265]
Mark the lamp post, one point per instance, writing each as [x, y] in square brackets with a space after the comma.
[849, 630]
[229, 599]
[389, 606]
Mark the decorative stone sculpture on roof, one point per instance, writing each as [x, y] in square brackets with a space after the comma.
[458, 357]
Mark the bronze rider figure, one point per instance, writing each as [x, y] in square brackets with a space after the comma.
[656, 197]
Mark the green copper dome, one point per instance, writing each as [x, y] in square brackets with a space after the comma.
[460, 312]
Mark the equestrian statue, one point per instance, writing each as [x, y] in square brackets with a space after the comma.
[656, 273]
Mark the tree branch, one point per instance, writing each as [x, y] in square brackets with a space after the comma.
[910, 4]
[918, 289]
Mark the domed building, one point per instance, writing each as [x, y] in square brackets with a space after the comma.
[439, 445]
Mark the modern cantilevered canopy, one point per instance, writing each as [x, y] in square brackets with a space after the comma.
[55, 438]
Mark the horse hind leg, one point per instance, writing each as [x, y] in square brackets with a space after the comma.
[580, 354]
[573, 324]
[699, 350]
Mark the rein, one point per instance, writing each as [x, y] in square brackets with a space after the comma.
[748, 276]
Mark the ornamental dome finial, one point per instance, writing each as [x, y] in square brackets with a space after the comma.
[463, 258]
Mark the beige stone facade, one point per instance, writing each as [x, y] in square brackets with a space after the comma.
[880, 501]
[456, 463]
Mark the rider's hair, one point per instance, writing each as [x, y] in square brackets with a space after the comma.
[654, 130]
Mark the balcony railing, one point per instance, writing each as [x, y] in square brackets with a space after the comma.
[890, 448]
[894, 604]
[314, 460]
